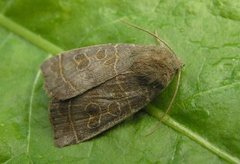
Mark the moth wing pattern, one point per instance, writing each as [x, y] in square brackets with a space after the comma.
[87, 115]
[73, 72]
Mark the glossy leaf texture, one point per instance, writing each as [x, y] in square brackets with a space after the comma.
[204, 123]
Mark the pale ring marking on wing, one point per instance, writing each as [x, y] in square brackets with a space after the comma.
[79, 62]
[118, 108]
[92, 117]
[98, 55]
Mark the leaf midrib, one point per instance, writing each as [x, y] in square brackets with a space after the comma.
[53, 49]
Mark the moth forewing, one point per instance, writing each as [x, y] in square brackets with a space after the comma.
[73, 72]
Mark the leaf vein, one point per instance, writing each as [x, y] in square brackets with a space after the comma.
[215, 89]
[154, 111]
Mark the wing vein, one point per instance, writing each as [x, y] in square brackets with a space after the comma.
[71, 122]
[62, 74]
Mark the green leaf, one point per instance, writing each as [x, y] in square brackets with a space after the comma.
[204, 123]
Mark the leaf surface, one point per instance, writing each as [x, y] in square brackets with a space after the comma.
[204, 123]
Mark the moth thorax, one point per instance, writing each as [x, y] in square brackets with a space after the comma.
[156, 69]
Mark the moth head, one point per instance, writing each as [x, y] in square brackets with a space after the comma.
[156, 65]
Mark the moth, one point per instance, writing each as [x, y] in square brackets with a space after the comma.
[94, 88]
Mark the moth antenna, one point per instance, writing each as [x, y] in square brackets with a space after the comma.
[159, 41]
[170, 104]
[149, 32]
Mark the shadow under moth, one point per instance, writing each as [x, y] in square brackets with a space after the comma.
[96, 87]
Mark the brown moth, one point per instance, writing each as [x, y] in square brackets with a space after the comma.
[94, 88]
